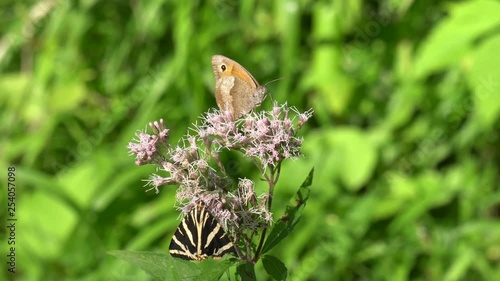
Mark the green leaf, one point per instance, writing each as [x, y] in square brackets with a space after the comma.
[47, 229]
[212, 269]
[291, 217]
[484, 81]
[163, 267]
[246, 271]
[451, 39]
[356, 154]
[274, 267]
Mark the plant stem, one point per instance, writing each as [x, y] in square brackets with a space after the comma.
[237, 249]
[261, 243]
[272, 182]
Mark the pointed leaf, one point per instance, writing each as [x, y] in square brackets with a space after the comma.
[164, 267]
[275, 267]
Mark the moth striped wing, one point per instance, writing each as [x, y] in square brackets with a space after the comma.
[199, 236]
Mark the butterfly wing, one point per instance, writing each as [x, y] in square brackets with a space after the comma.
[236, 90]
[245, 98]
[223, 93]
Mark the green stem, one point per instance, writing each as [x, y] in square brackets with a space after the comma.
[237, 248]
[272, 182]
[261, 243]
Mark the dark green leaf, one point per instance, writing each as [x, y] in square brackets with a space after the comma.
[274, 267]
[246, 271]
[291, 217]
[163, 267]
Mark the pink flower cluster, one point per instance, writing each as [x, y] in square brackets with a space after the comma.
[267, 137]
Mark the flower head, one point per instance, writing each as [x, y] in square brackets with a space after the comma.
[146, 146]
[195, 165]
[269, 137]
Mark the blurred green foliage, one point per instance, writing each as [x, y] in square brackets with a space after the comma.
[404, 140]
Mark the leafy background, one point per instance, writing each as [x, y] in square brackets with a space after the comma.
[404, 140]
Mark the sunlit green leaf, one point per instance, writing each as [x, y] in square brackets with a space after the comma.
[453, 37]
[164, 267]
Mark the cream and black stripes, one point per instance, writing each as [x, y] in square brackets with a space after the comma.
[199, 236]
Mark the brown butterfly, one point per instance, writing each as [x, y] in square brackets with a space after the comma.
[235, 88]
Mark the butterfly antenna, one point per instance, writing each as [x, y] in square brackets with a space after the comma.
[274, 80]
[268, 93]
